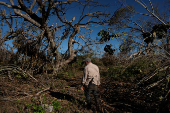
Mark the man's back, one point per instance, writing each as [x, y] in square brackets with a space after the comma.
[92, 72]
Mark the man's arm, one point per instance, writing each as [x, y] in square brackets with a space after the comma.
[98, 78]
[84, 78]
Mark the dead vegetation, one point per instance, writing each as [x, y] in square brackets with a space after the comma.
[135, 91]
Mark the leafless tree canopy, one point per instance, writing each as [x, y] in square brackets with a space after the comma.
[39, 25]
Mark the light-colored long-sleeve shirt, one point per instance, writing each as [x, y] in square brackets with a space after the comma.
[91, 73]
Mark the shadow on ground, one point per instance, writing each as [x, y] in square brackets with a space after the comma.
[67, 97]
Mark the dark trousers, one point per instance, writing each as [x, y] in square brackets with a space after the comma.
[92, 88]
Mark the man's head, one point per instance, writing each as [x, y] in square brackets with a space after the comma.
[87, 61]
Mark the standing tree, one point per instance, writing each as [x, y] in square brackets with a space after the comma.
[36, 26]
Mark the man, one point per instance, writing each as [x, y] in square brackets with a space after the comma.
[91, 81]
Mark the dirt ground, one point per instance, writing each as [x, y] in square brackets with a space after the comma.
[20, 95]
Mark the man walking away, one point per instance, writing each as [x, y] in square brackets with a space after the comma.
[90, 82]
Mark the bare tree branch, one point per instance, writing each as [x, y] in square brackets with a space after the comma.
[153, 14]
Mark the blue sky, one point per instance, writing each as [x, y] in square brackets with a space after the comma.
[112, 8]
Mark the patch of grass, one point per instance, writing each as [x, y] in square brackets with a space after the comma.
[56, 105]
[29, 105]
[5, 111]
[64, 90]
[20, 105]
[75, 101]
[63, 110]
[39, 109]
[44, 99]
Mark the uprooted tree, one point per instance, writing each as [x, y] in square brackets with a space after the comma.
[38, 29]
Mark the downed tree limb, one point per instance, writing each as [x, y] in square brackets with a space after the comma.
[167, 94]
[9, 75]
[27, 74]
[156, 72]
[47, 89]
[19, 92]
[18, 69]
[116, 104]
[24, 93]
[103, 103]
[154, 84]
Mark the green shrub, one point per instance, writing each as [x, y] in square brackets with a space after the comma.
[141, 68]
[115, 72]
[137, 69]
